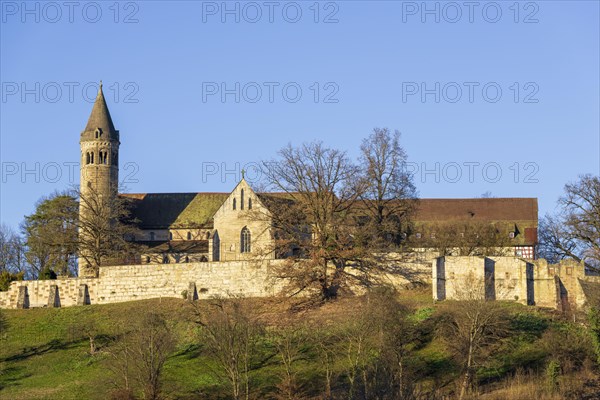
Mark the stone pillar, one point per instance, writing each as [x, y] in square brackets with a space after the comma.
[439, 278]
[54, 298]
[83, 297]
[23, 299]
[192, 293]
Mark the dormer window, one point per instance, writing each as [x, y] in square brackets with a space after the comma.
[98, 133]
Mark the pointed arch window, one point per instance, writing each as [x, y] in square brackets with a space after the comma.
[234, 203]
[250, 203]
[242, 200]
[245, 240]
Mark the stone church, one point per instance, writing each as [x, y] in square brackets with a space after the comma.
[207, 227]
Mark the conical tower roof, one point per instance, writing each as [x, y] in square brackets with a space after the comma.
[100, 119]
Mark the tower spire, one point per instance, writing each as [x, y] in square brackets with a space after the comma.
[100, 118]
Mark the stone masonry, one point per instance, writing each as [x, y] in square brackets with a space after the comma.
[135, 282]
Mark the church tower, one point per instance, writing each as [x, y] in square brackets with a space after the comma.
[99, 168]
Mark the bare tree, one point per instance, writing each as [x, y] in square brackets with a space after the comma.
[326, 346]
[105, 229]
[471, 329]
[89, 330]
[230, 332]
[12, 257]
[388, 195]
[12, 250]
[289, 343]
[137, 361]
[574, 232]
[320, 186]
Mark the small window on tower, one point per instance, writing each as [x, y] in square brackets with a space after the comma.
[87, 158]
[98, 133]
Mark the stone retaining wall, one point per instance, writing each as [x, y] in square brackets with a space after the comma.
[135, 282]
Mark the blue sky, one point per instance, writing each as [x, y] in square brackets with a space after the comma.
[500, 88]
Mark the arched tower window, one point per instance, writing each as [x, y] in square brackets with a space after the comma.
[234, 203]
[242, 200]
[245, 240]
[87, 157]
[98, 133]
[250, 203]
[91, 157]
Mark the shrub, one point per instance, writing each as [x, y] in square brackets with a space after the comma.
[47, 273]
[552, 374]
[569, 345]
[7, 277]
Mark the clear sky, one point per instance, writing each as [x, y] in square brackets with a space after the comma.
[201, 89]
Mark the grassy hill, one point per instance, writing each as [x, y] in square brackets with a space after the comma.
[45, 353]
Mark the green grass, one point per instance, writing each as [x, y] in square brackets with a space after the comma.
[44, 354]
